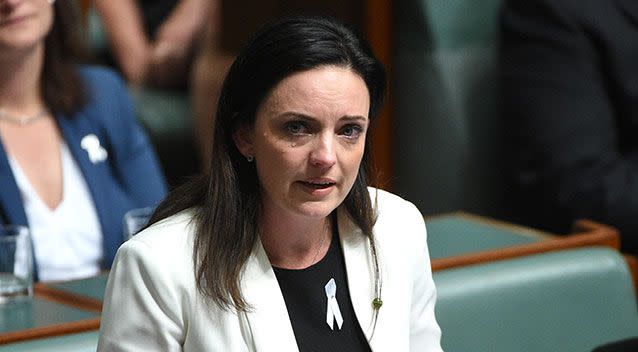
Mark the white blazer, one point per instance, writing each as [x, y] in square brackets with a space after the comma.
[152, 303]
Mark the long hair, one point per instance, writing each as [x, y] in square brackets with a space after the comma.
[226, 201]
[61, 86]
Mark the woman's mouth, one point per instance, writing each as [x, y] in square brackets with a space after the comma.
[318, 184]
[13, 21]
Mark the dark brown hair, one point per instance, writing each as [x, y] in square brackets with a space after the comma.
[226, 201]
[62, 88]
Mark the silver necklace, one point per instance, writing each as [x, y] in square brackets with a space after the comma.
[22, 120]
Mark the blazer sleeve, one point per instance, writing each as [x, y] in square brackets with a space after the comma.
[140, 312]
[559, 114]
[425, 334]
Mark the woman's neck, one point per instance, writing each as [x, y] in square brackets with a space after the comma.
[292, 242]
[20, 81]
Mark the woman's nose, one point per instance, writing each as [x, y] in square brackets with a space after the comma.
[323, 153]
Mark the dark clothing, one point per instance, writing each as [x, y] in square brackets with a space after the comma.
[630, 345]
[306, 301]
[569, 75]
[154, 13]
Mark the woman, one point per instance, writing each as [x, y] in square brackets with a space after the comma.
[282, 247]
[72, 158]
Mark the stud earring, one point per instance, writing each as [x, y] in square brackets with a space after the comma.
[250, 158]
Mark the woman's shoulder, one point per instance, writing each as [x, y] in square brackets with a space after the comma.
[399, 223]
[95, 75]
[391, 205]
[173, 229]
[157, 262]
[107, 92]
[107, 97]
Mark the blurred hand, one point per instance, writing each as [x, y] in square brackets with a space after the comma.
[168, 63]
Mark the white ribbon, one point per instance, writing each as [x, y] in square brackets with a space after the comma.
[332, 309]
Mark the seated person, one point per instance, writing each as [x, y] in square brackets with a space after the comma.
[153, 42]
[570, 107]
[282, 246]
[73, 160]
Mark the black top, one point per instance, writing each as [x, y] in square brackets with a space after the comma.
[154, 13]
[305, 297]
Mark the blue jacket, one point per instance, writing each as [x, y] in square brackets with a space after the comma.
[128, 176]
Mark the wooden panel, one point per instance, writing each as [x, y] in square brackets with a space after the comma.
[240, 19]
[84, 9]
[632, 263]
[379, 33]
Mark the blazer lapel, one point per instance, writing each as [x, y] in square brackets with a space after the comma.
[10, 198]
[93, 172]
[268, 316]
[73, 137]
[359, 264]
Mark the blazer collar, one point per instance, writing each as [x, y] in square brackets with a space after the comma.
[74, 132]
[359, 268]
[268, 318]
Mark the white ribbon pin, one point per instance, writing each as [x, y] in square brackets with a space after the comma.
[332, 310]
[96, 152]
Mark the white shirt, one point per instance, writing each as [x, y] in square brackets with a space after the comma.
[67, 240]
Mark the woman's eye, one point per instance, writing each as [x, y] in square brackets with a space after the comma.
[296, 127]
[351, 131]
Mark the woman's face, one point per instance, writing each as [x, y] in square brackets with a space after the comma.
[308, 141]
[24, 23]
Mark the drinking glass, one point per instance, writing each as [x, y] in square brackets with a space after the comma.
[135, 220]
[16, 263]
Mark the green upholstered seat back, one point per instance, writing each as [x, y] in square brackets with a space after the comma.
[564, 301]
[445, 105]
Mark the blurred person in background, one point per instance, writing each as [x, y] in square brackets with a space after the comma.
[73, 159]
[569, 75]
[154, 43]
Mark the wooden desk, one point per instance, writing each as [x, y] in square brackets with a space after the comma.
[66, 308]
[84, 293]
[456, 239]
[459, 239]
[42, 317]
[77, 342]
